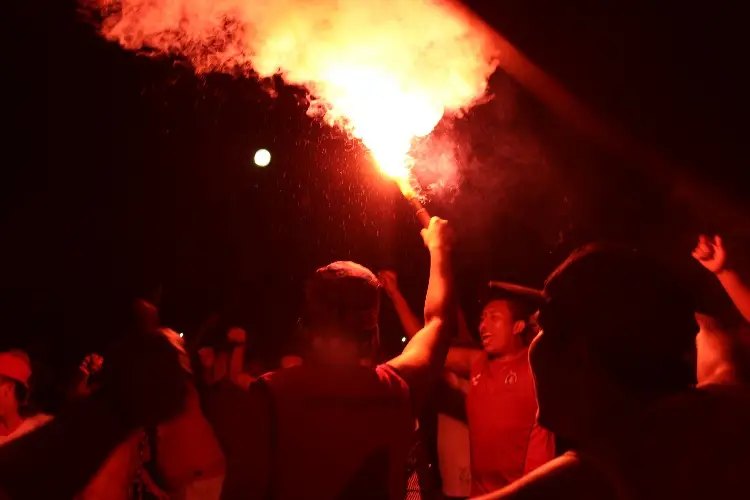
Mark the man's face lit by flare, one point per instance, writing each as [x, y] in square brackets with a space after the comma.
[498, 328]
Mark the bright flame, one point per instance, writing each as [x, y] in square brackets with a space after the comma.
[385, 70]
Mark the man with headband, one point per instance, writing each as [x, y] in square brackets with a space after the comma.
[338, 426]
[614, 367]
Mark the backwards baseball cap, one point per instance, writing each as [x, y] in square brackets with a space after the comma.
[528, 299]
[344, 295]
[15, 365]
[501, 290]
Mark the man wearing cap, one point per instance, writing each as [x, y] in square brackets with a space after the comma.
[15, 371]
[339, 426]
[614, 366]
[505, 440]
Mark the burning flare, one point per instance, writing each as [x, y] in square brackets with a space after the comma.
[385, 70]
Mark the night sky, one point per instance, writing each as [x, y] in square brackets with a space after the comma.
[122, 173]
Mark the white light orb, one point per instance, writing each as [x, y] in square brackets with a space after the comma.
[262, 158]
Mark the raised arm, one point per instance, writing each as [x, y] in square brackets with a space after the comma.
[712, 255]
[422, 360]
[459, 359]
[90, 365]
[237, 339]
[143, 384]
[409, 321]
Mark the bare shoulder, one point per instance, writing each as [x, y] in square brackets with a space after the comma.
[564, 477]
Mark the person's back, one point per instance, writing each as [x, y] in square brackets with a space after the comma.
[335, 427]
[187, 449]
[345, 430]
[694, 445]
[115, 477]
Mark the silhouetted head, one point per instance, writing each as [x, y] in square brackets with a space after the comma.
[617, 331]
[340, 318]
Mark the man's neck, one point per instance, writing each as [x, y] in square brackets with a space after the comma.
[509, 355]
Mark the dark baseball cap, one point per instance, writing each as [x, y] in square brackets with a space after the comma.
[500, 289]
[343, 294]
[529, 299]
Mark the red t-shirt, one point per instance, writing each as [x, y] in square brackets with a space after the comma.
[340, 432]
[506, 441]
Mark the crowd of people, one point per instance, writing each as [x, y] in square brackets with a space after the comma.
[608, 383]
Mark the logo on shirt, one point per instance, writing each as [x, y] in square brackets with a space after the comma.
[475, 379]
[511, 379]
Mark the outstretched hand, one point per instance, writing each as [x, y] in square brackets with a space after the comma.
[710, 253]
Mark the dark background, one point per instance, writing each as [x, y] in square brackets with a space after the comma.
[122, 174]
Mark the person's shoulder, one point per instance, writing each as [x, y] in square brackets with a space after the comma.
[726, 402]
[41, 418]
[35, 421]
[389, 377]
[566, 476]
[729, 393]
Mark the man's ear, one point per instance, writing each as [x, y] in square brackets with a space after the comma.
[519, 327]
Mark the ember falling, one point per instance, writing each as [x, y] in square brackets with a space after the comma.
[387, 71]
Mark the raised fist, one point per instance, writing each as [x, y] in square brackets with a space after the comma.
[438, 235]
[91, 364]
[389, 280]
[710, 253]
[236, 335]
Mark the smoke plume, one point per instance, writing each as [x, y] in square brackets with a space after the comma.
[386, 70]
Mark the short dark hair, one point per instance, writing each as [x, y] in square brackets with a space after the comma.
[343, 298]
[637, 317]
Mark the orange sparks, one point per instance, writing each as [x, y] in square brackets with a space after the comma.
[387, 71]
